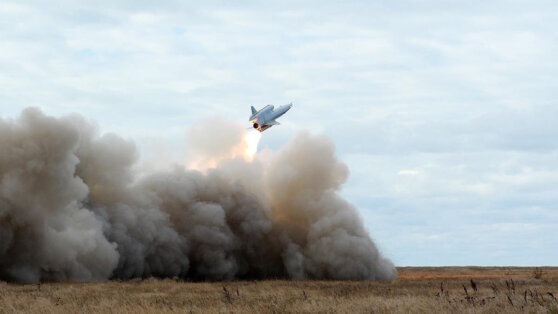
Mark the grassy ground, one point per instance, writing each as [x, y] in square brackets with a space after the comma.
[424, 289]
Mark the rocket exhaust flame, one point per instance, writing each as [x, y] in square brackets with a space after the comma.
[73, 208]
[250, 142]
[212, 147]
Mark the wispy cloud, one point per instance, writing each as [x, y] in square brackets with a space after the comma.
[445, 112]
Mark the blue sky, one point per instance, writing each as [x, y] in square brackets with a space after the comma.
[445, 112]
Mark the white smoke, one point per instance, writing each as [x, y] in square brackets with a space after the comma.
[72, 208]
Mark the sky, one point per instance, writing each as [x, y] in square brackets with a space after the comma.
[446, 112]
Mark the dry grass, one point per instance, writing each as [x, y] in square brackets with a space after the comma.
[426, 290]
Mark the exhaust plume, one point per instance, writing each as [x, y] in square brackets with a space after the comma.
[72, 207]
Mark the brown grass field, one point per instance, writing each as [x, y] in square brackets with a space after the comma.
[418, 289]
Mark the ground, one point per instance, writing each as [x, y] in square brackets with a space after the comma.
[424, 290]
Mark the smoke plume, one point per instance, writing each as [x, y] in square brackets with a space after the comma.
[73, 207]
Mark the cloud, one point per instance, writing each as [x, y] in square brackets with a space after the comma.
[431, 86]
[73, 207]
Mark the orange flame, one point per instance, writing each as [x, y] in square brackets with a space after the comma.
[246, 149]
[250, 141]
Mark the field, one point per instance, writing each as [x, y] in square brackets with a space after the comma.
[424, 289]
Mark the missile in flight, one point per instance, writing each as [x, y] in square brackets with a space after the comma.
[267, 117]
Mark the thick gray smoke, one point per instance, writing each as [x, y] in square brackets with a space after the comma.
[73, 208]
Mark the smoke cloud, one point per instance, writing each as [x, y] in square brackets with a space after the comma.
[73, 207]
